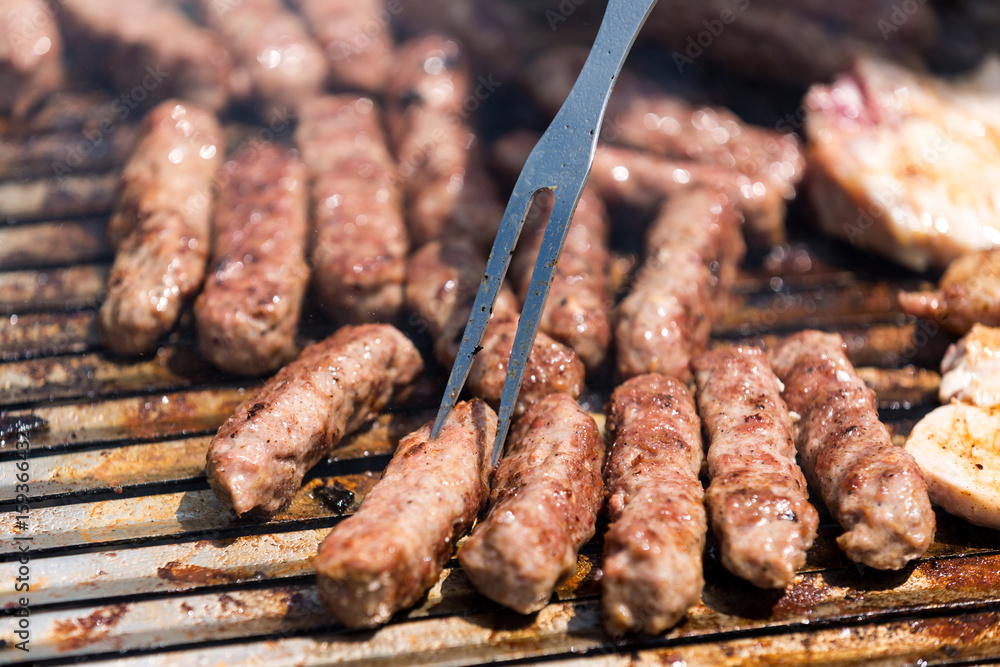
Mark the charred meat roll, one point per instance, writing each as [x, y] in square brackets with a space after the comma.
[758, 503]
[359, 240]
[547, 490]
[385, 557]
[578, 309]
[275, 58]
[872, 488]
[161, 225]
[693, 249]
[248, 312]
[652, 569]
[447, 187]
[356, 39]
[258, 458]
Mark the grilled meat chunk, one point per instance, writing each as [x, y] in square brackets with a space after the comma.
[258, 458]
[248, 312]
[385, 557]
[148, 46]
[578, 309]
[757, 501]
[358, 57]
[970, 370]
[360, 240]
[447, 187]
[275, 58]
[161, 225]
[547, 490]
[955, 447]
[31, 51]
[693, 249]
[442, 279]
[653, 548]
[906, 165]
[969, 293]
[872, 488]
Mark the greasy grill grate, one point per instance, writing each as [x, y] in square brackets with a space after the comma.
[129, 553]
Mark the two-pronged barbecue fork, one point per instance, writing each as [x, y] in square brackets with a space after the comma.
[560, 162]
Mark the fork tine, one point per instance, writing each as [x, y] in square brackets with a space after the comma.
[482, 309]
[563, 208]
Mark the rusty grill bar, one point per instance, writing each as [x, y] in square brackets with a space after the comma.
[132, 559]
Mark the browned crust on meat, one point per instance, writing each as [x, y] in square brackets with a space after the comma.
[256, 461]
[151, 45]
[872, 488]
[447, 187]
[248, 312]
[385, 557]
[442, 281]
[547, 491]
[578, 309]
[652, 567]
[31, 52]
[693, 249]
[161, 226]
[757, 501]
[360, 239]
[551, 367]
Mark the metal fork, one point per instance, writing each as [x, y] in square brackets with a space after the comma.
[560, 162]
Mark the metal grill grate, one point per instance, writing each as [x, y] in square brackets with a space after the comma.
[131, 558]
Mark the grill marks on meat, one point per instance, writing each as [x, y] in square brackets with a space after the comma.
[653, 548]
[274, 55]
[578, 309]
[161, 226]
[872, 488]
[31, 51]
[442, 280]
[360, 239]
[448, 190]
[357, 58]
[692, 251]
[258, 458]
[969, 293]
[151, 44]
[385, 557]
[547, 491]
[248, 312]
[757, 501]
